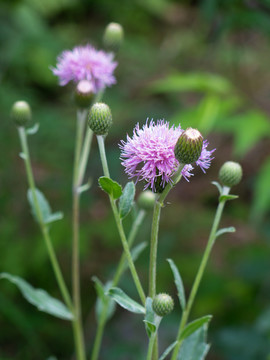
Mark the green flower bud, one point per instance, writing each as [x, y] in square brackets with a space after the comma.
[21, 113]
[84, 94]
[113, 37]
[146, 200]
[230, 173]
[189, 146]
[162, 304]
[100, 118]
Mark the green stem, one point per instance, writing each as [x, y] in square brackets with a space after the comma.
[119, 224]
[85, 154]
[151, 346]
[81, 119]
[195, 286]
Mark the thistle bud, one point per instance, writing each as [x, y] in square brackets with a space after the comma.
[100, 118]
[21, 113]
[162, 304]
[230, 173]
[84, 94]
[146, 200]
[189, 146]
[113, 37]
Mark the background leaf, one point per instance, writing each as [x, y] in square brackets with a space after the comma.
[194, 325]
[127, 199]
[125, 301]
[195, 347]
[179, 284]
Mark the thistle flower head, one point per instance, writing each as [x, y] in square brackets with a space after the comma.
[86, 63]
[100, 118]
[113, 36]
[230, 173]
[189, 146]
[149, 154]
[163, 304]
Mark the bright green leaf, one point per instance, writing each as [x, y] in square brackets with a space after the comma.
[227, 197]
[127, 199]
[225, 230]
[125, 301]
[39, 298]
[168, 350]
[110, 187]
[179, 284]
[195, 347]
[194, 325]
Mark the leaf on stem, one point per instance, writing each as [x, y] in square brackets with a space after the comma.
[45, 209]
[195, 347]
[227, 197]
[136, 252]
[85, 186]
[103, 300]
[219, 187]
[22, 155]
[179, 284]
[194, 325]
[110, 187]
[150, 315]
[125, 301]
[39, 298]
[168, 350]
[127, 199]
[32, 130]
[225, 230]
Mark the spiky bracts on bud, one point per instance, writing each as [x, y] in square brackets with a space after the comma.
[146, 200]
[21, 113]
[230, 173]
[162, 304]
[113, 36]
[84, 93]
[189, 146]
[100, 118]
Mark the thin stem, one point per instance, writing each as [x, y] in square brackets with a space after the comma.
[119, 223]
[119, 271]
[197, 281]
[85, 154]
[151, 346]
[44, 228]
[81, 118]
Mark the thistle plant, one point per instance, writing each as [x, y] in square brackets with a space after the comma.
[157, 154]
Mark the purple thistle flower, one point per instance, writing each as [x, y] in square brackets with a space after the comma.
[149, 154]
[86, 63]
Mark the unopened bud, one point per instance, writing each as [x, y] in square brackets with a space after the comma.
[189, 146]
[146, 200]
[100, 118]
[230, 173]
[162, 304]
[84, 94]
[113, 37]
[21, 113]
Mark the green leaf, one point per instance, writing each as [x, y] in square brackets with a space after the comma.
[150, 315]
[179, 284]
[127, 199]
[136, 252]
[195, 347]
[219, 187]
[85, 187]
[110, 187]
[39, 298]
[103, 300]
[168, 350]
[46, 212]
[194, 325]
[33, 130]
[125, 301]
[228, 197]
[225, 230]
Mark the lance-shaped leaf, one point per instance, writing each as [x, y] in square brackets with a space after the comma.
[225, 230]
[45, 209]
[168, 350]
[103, 300]
[32, 130]
[227, 197]
[39, 298]
[195, 347]
[219, 187]
[149, 320]
[110, 187]
[125, 301]
[126, 199]
[194, 325]
[179, 284]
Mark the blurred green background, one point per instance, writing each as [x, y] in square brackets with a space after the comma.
[200, 63]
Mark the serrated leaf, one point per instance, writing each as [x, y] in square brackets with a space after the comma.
[218, 186]
[39, 298]
[32, 130]
[136, 252]
[45, 209]
[125, 301]
[126, 199]
[110, 187]
[179, 284]
[149, 319]
[103, 300]
[195, 347]
[227, 197]
[168, 350]
[22, 155]
[194, 325]
[225, 230]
